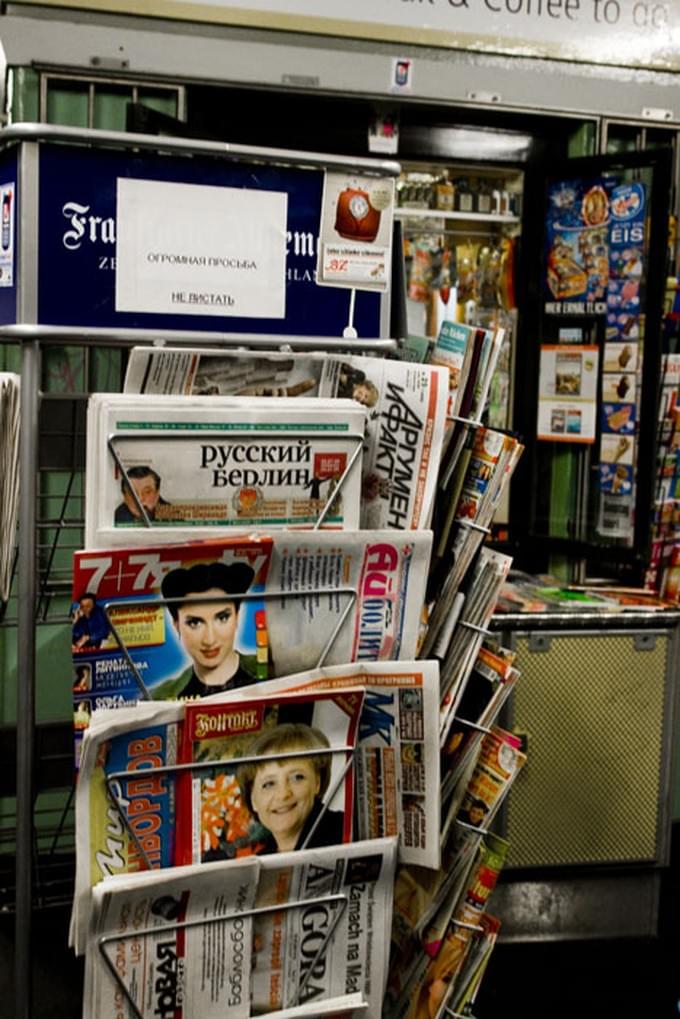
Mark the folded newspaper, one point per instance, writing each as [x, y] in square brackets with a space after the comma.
[397, 774]
[125, 817]
[373, 612]
[159, 465]
[291, 935]
[172, 945]
[406, 406]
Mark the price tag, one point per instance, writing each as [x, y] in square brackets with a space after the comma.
[349, 264]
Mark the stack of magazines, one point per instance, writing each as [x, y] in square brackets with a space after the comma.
[286, 697]
[406, 407]
[187, 620]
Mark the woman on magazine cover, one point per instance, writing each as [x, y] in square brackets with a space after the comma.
[286, 795]
[206, 628]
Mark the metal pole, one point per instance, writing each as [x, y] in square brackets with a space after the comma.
[30, 380]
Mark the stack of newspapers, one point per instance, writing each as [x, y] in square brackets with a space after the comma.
[286, 696]
[9, 478]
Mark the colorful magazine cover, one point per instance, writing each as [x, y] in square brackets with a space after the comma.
[167, 621]
[293, 787]
[125, 801]
[397, 775]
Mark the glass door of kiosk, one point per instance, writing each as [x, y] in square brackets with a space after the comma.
[588, 361]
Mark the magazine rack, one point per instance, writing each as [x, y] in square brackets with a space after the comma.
[32, 338]
[339, 900]
[36, 312]
[128, 603]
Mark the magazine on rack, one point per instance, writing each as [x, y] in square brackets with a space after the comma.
[356, 959]
[422, 990]
[9, 478]
[470, 977]
[482, 588]
[272, 774]
[289, 935]
[484, 468]
[470, 354]
[125, 819]
[167, 621]
[162, 465]
[177, 943]
[377, 580]
[480, 793]
[406, 405]
[491, 681]
[397, 774]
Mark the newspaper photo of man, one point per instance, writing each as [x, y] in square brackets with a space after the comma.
[147, 488]
[286, 795]
[90, 626]
[205, 617]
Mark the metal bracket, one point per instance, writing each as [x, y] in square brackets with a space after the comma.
[539, 642]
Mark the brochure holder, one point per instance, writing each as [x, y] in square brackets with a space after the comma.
[192, 766]
[127, 603]
[356, 438]
[340, 900]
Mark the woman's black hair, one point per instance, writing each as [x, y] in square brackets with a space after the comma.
[233, 579]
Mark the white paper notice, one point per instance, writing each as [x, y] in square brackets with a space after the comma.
[193, 249]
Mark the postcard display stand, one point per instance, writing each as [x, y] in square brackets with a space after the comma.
[71, 200]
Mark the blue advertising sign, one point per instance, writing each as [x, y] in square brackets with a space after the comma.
[77, 244]
[577, 247]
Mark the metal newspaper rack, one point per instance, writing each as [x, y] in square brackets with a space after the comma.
[25, 322]
[32, 339]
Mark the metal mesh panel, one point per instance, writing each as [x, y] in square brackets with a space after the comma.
[592, 707]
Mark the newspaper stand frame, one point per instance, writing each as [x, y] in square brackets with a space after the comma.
[356, 438]
[337, 897]
[32, 335]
